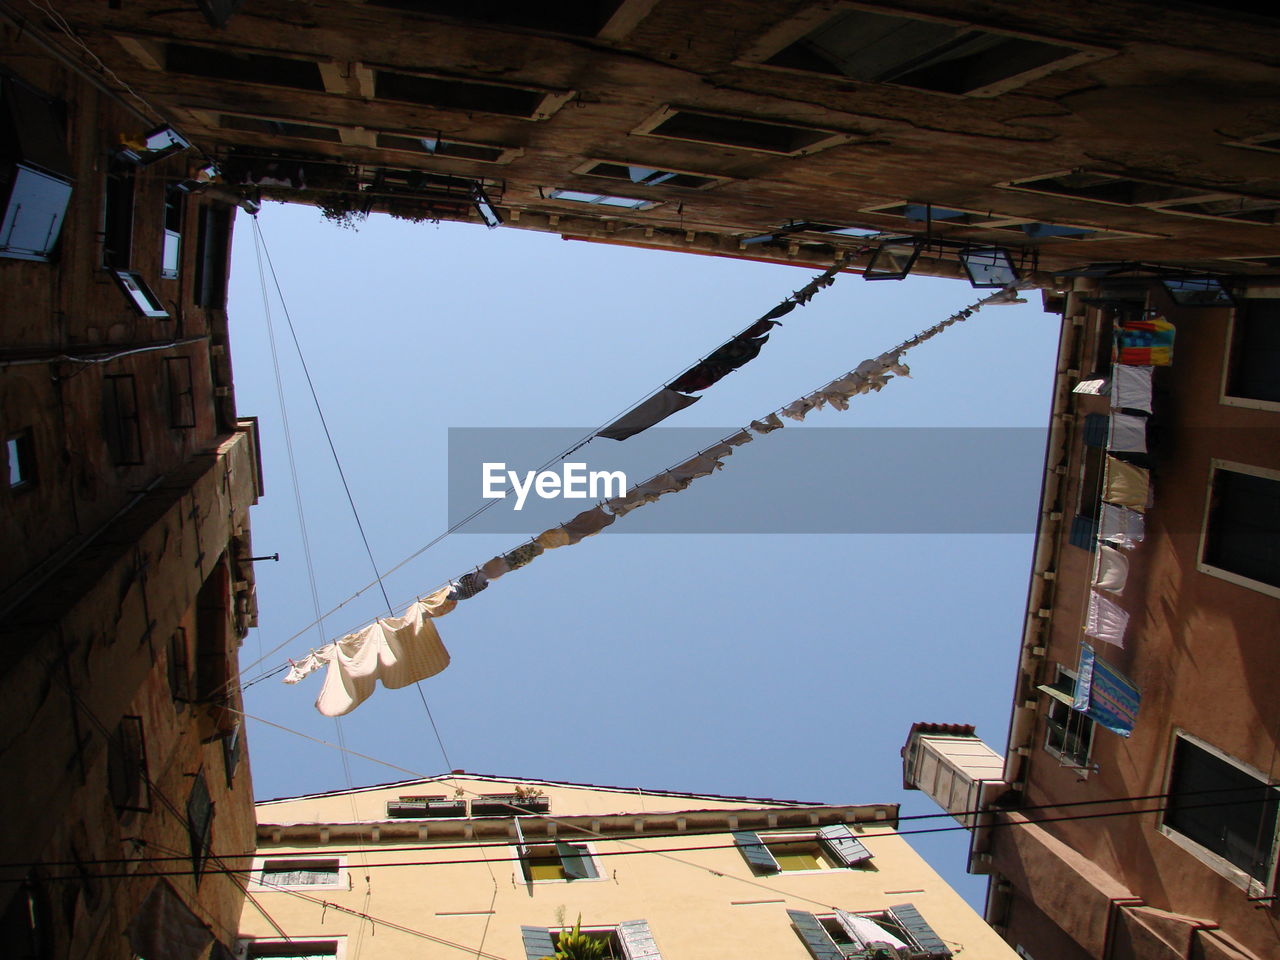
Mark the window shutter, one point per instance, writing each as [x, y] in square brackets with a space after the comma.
[1084, 531]
[755, 852]
[1095, 429]
[637, 941]
[537, 943]
[911, 921]
[843, 845]
[575, 861]
[815, 937]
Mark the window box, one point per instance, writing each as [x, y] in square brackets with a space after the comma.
[630, 940]
[508, 805]
[420, 807]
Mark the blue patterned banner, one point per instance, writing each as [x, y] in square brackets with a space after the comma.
[1105, 694]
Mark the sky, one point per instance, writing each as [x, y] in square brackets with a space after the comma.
[784, 665]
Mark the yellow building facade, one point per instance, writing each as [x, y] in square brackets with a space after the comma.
[500, 868]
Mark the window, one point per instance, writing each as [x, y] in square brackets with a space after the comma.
[1253, 362]
[988, 267]
[231, 749]
[295, 949]
[1223, 811]
[213, 234]
[140, 294]
[748, 133]
[944, 216]
[602, 199]
[117, 218]
[175, 200]
[925, 54]
[127, 767]
[279, 128]
[199, 824]
[893, 259]
[26, 922]
[179, 668]
[120, 419]
[182, 404]
[651, 176]
[828, 848]
[300, 873]
[1068, 732]
[450, 93]
[1102, 188]
[831, 230]
[897, 933]
[630, 940]
[20, 451]
[557, 861]
[225, 64]
[581, 18]
[1241, 539]
[448, 149]
[35, 181]
[1228, 207]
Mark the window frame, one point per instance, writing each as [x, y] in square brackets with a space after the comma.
[1230, 355]
[1080, 764]
[123, 428]
[505, 154]
[200, 840]
[127, 758]
[256, 882]
[636, 204]
[179, 377]
[795, 29]
[806, 835]
[521, 853]
[624, 18]
[648, 127]
[175, 215]
[1217, 863]
[1202, 565]
[213, 242]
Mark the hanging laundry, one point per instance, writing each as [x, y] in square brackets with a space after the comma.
[761, 326]
[398, 651]
[1121, 527]
[695, 467]
[1111, 570]
[654, 410]
[739, 438]
[1131, 388]
[1105, 620]
[553, 538]
[587, 524]
[797, 410]
[522, 555]
[738, 352]
[469, 584]
[767, 424]
[1127, 433]
[1146, 342]
[781, 310]
[621, 506]
[495, 568]
[1126, 485]
[440, 602]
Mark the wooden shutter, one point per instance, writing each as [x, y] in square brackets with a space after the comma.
[755, 852]
[199, 822]
[844, 846]
[815, 937]
[637, 941]
[537, 943]
[575, 861]
[1096, 426]
[910, 920]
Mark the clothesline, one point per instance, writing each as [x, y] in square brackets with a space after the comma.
[402, 650]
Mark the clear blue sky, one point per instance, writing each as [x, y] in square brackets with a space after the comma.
[784, 665]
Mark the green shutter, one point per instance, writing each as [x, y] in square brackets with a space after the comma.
[755, 852]
[575, 860]
[844, 846]
[637, 940]
[815, 937]
[911, 921]
[537, 943]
